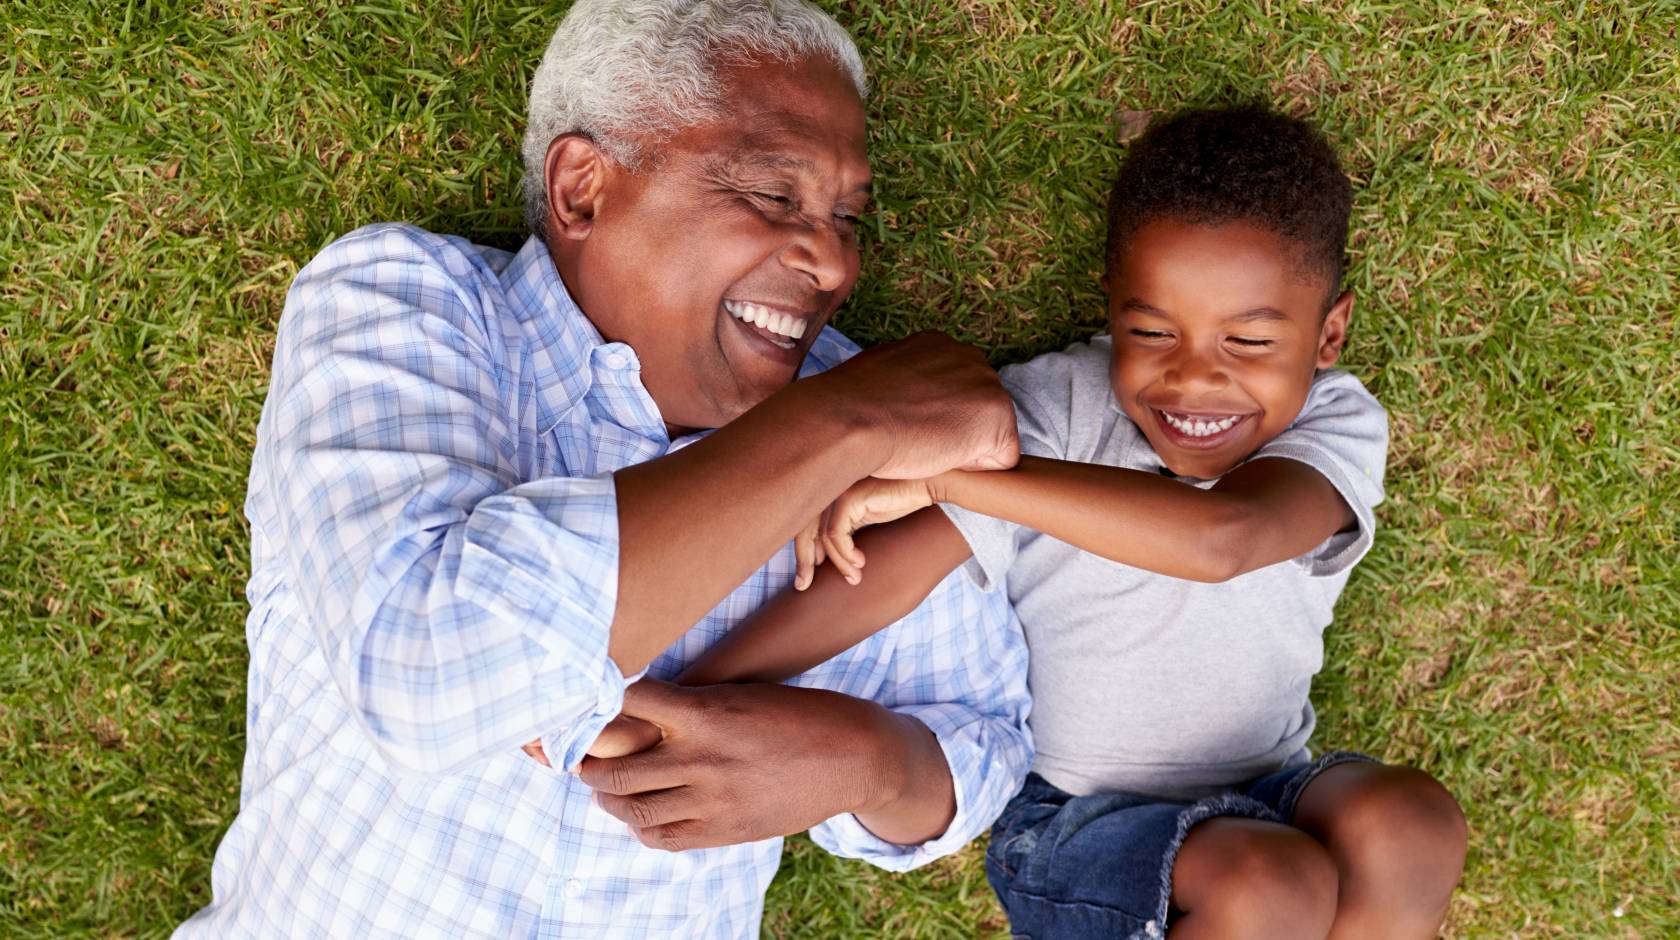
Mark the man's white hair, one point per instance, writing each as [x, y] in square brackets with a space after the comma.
[628, 73]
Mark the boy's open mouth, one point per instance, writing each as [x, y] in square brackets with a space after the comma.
[1198, 431]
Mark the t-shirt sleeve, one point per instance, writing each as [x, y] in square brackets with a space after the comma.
[1342, 432]
[1040, 389]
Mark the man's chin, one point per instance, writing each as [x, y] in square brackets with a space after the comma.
[751, 396]
[736, 398]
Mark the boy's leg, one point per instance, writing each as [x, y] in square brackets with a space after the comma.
[1398, 840]
[1247, 878]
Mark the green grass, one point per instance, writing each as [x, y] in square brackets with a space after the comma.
[165, 168]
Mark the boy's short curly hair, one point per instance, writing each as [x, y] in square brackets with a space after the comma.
[1210, 166]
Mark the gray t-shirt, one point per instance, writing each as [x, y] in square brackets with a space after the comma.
[1151, 684]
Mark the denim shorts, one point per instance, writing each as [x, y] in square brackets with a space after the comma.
[1073, 867]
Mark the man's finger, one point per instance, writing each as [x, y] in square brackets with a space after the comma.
[637, 773]
[1004, 456]
[645, 810]
[680, 836]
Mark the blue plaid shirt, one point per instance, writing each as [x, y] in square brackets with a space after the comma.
[434, 570]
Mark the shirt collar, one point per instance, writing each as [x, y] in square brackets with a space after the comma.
[565, 347]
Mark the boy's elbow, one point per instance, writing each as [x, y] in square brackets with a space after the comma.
[1214, 570]
[1226, 547]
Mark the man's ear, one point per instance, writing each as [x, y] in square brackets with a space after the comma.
[1333, 333]
[575, 172]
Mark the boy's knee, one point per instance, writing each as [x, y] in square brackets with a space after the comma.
[1272, 881]
[1402, 821]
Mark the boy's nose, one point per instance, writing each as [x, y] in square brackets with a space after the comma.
[1194, 373]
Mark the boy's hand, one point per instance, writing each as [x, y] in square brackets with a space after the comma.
[622, 736]
[625, 735]
[867, 502]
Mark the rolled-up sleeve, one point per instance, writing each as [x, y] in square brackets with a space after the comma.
[960, 667]
[461, 608]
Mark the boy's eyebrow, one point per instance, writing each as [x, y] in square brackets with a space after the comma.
[1134, 304]
[1260, 313]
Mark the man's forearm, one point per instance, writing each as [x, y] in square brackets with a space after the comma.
[695, 524]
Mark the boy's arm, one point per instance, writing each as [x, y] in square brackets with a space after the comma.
[1264, 512]
[796, 630]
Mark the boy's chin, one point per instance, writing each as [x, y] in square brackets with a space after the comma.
[1199, 467]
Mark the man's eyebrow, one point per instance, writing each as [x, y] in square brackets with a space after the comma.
[1137, 306]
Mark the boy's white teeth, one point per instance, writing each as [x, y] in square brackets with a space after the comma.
[758, 315]
[1201, 427]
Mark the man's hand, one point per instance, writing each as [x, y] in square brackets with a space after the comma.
[695, 523]
[935, 401]
[869, 501]
[740, 763]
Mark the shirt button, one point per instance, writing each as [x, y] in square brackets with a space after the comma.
[574, 888]
[616, 361]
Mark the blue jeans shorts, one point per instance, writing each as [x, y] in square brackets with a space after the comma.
[1074, 867]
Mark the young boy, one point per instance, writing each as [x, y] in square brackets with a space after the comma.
[1194, 488]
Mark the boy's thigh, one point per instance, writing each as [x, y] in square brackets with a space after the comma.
[1068, 868]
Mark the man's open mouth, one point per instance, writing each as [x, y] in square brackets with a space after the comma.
[776, 327]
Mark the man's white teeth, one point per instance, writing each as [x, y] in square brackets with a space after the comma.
[758, 315]
[1201, 427]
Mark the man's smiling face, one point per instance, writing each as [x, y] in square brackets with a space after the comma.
[722, 258]
[1217, 335]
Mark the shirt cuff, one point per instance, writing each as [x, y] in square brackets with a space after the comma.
[571, 743]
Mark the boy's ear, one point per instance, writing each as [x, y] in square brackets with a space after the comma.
[1333, 333]
[575, 173]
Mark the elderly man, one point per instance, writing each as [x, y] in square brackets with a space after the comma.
[485, 498]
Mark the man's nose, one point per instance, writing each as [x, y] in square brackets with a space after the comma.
[822, 253]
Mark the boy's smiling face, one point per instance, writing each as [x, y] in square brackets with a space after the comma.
[1218, 331]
